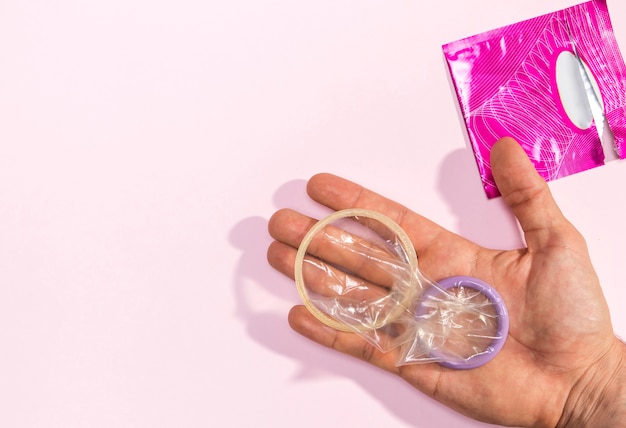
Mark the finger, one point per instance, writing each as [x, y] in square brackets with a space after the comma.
[289, 226]
[339, 247]
[338, 193]
[281, 257]
[527, 193]
[301, 320]
[335, 284]
[321, 278]
[425, 377]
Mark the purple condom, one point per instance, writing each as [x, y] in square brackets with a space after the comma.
[501, 313]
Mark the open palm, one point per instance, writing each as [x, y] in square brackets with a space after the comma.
[560, 335]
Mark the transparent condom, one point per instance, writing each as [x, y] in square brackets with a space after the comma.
[356, 270]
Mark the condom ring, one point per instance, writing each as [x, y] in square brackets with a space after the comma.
[497, 341]
[405, 243]
[413, 297]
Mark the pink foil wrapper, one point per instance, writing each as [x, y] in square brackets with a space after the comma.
[505, 81]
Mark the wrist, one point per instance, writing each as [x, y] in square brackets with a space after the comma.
[598, 397]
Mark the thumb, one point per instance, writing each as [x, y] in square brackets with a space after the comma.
[526, 193]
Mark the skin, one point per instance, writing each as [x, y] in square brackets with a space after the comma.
[554, 370]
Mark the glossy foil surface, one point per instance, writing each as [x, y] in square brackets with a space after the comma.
[506, 83]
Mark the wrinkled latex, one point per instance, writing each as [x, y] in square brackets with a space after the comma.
[362, 276]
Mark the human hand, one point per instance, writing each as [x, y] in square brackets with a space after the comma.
[561, 365]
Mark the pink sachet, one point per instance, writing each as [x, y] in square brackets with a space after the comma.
[507, 84]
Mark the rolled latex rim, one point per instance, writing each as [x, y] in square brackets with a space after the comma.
[363, 213]
[502, 315]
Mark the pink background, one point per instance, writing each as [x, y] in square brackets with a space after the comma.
[145, 145]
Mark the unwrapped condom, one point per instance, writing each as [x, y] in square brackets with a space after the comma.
[356, 270]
